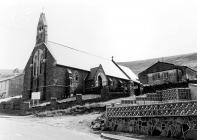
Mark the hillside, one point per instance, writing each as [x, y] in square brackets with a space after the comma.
[189, 60]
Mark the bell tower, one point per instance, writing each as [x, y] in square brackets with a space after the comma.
[41, 30]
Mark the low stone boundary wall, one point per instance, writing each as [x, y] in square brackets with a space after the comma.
[11, 107]
[174, 127]
[19, 107]
[55, 104]
[175, 119]
[26, 107]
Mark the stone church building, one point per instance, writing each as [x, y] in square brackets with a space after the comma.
[58, 71]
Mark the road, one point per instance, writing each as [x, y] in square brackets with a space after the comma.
[23, 128]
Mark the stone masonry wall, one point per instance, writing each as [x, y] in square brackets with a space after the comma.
[173, 119]
[174, 127]
[52, 81]
[43, 80]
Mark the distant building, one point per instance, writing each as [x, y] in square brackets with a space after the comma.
[58, 71]
[11, 86]
[162, 72]
[16, 71]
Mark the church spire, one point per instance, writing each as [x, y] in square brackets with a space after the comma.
[41, 30]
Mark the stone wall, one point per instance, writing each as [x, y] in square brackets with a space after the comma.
[18, 106]
[175, 127]
[66, 103]
[14, 106]
[30, 83]
[176, 119]
[52, 81]
[55, 81]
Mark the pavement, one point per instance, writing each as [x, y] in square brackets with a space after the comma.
[24, 128]
[115, 137]
[129, 136]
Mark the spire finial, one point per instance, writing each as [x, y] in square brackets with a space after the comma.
[42, 9]
[112, 58]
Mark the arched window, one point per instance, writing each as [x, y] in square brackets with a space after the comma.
[41, 62]
[110, 82]
[76, 76]
[37, 62]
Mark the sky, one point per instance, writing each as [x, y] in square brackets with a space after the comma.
[129, 30]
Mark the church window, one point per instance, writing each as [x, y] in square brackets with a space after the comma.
[34, 68]
[76, 76]
[70, 81]
[69, 73]
[41, 62]
[40, 29]
[120, 83]
[38, 57]
[110, 82]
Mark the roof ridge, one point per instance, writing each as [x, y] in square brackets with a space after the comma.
[70, 57]
[81, 51]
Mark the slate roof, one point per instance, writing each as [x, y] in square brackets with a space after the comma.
[129, 72]
[92, 73]
[70, 57]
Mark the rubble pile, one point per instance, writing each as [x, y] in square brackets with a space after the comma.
[99, 123]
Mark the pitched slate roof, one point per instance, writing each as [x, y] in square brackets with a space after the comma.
[129, 72]
[70, 57]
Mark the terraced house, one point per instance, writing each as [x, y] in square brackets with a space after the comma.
[58, 71]
[11, 86]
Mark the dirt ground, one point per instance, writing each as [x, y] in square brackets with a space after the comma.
[78, 123]
[81, 124]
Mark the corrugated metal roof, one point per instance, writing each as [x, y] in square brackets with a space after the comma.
[81, 60]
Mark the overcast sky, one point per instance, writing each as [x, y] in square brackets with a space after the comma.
[126, 29]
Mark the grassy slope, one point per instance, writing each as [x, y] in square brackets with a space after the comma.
[189, 60]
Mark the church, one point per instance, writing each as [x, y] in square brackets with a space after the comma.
[58, 71]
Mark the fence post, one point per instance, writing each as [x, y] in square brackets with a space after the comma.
[79, 99]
